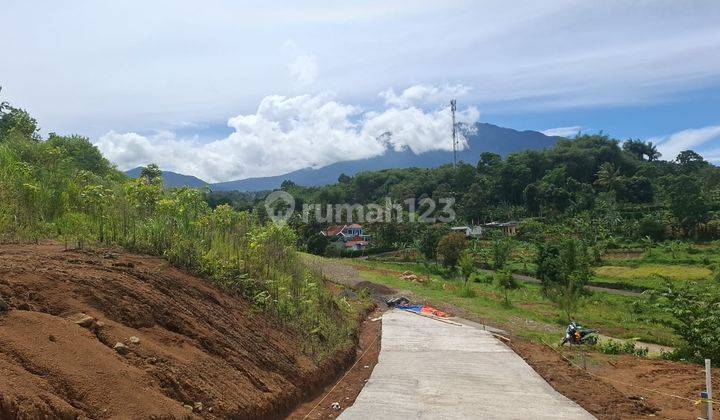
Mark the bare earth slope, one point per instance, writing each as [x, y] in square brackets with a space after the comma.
[197, 344]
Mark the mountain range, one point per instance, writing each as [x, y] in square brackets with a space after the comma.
[484, 138]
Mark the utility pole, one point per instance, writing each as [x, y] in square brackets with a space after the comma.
[454, 131]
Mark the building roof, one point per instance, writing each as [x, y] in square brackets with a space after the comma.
[333, 230]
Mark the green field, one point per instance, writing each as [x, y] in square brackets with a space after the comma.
[530, 315]
[647, 276]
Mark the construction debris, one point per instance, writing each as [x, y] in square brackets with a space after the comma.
[408, 276]
[401, 302]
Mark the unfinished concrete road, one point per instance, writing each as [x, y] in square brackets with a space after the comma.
[434, 370]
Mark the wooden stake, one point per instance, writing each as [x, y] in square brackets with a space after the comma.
[708, 387]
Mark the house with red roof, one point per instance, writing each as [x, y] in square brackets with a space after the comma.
[352, 235]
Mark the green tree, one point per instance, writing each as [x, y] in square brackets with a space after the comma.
[505, 282]
[317, 243]
[17, 122]
[641, 149]
[85, 155]
[652, 227]
[687, 202]
[501, 250]
[429, 237]
[563, 268]
[467, 266]
[151, 172]
[450, 247]
[690, 161]
[694, 311]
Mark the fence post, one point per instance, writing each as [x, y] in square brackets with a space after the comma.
[708, 388]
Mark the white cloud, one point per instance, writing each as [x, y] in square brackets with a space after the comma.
[289, 133]
[424, 95]
[569, 132]
[99, 65]
[691, 139]
[303, 66]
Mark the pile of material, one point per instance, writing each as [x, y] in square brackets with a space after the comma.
[423, 309]
[408, 276]
[401, 302]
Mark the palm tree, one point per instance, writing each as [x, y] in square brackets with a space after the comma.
[651, 152]
[606, 176]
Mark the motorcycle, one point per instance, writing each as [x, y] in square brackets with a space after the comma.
[576, 334]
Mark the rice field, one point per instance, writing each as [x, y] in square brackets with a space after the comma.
[672, 272]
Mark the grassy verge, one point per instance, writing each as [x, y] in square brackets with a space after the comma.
[530, 315]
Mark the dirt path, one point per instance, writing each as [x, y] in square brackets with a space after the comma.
[346, 388]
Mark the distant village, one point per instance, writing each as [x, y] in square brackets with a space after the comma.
[353, 237]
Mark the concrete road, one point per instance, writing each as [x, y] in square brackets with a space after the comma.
[433, 370]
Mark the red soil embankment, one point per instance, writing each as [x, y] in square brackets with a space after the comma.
[200, 352]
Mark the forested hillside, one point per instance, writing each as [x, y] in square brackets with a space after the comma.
[592, 184]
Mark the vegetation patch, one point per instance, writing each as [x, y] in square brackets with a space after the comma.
[673, 272]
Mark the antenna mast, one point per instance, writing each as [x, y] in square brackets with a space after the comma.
[454, 131]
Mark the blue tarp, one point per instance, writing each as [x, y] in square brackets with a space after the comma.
[411, 308]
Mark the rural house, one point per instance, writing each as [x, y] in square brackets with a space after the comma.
[469, 231]
[352, 236]
[508, 228]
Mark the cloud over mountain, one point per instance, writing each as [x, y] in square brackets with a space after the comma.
[289, 133]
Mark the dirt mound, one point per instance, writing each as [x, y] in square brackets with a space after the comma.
[621, 387]
[376, 288]
[670, 381]
[186, 348]
[597, 397]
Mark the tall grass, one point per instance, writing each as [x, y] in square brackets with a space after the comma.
[44, 196]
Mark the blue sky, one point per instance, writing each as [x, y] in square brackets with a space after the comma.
[226, 90]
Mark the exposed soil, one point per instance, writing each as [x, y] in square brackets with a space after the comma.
[345, 390]
[378, 290]
[200, 353]
[620, 387]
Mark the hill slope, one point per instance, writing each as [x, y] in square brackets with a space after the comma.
[197, 344]
[487, 138]
[173, 179]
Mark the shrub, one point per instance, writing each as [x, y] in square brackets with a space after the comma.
[530, 230]
[317, 243]
[505, 281]
[466, 291]
[451, 247]
[501, 249]
[467, 266]
[480, 277]
[618, 347]
[693, 312]
[653, 228]
[563, 268]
